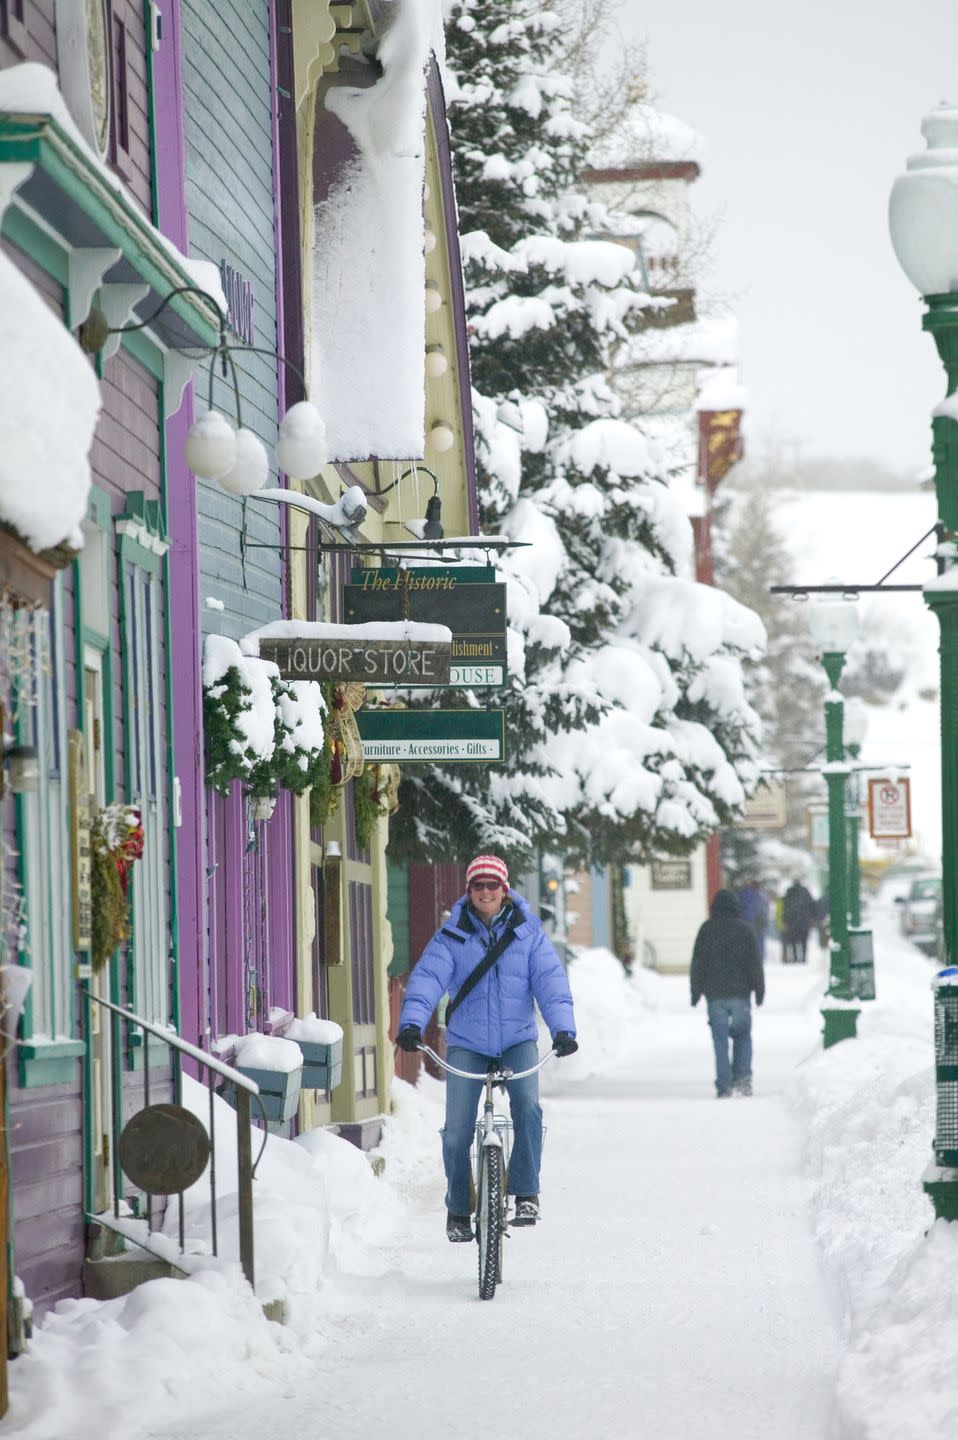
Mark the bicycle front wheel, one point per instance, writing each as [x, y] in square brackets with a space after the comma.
[489, 1220]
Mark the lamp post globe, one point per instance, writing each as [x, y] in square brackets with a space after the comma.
[833, 621]
[923, 220]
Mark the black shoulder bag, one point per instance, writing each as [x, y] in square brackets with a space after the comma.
[483, 968]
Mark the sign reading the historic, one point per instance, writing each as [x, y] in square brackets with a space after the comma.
[766, 809]
[671, 874]
[889, 809]
[467, 598]
[81, 869]
[372, 662]
[448, 737]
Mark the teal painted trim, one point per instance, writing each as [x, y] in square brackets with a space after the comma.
[24, 232]
[86, 1082]
[39, 140]
[52, 1049]
[130, 551]
[149, 355]
[151, 111]
[58, 1070]
[154, 1054]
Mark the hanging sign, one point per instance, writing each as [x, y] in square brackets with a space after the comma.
[466, 598]
[818, 827]
[447, 737]
[671, 874]
[889, 809]
[766, 809]
[371, 662]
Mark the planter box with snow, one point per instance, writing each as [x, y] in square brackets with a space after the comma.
[278, 1090]
[323, 1064]
[277, 1067]
[321, 1042]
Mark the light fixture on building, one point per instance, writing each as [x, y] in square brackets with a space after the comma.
[433, 297]
[218, 447]
[262, 807]
[429, 239]
[436, 362]
[22, 765]
[441, 436]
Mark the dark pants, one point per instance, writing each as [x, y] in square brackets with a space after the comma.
[796, 944]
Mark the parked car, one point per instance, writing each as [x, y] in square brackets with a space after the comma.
[918, 913]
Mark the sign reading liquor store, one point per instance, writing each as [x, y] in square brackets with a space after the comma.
[373, 662]
[447, 737]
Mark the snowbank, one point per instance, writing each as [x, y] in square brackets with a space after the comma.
[869, 1106]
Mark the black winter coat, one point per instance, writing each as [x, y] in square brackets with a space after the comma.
[726, 960]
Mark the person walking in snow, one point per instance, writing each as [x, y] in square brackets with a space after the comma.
[800, 913]
[492, 935]
[727, 970]
[754, 908]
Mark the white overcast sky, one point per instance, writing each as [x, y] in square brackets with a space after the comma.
[807, 112]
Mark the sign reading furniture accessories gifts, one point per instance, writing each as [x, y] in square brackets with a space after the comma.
[447, 737]
[889, 809]
[467, 598]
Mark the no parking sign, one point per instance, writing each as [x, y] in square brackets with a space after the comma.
[889, 809]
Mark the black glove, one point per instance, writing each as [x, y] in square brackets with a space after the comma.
[409, 1038]
[564, 1044]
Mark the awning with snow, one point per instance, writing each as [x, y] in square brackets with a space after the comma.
[93, 212]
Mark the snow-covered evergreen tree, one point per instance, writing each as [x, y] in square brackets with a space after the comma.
[627, 726]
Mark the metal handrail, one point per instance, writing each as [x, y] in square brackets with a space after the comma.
[245, 1088]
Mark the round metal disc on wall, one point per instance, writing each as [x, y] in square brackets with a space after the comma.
[164, 1149]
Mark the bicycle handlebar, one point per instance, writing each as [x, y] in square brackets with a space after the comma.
[499, 1076]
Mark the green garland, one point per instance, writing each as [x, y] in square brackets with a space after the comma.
[368, 805]
[110, 913]
[324, 795]
[228, 756]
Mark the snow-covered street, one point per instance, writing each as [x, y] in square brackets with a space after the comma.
[673, 1287]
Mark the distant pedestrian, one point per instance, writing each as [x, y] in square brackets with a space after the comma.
[753, 908]
[727, 970]
[821, 918]
[799, 913]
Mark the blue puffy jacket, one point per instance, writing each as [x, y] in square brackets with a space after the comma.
[499, 1011]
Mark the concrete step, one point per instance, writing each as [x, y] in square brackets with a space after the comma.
[119, 1274]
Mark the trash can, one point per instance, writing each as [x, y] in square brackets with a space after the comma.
[946, 1067]
[861, 963]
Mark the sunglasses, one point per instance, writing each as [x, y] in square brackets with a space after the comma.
[485, 885]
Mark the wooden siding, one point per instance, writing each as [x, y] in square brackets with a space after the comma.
[41, 41]
[46, 1161]
[41, 45]
[228, 126]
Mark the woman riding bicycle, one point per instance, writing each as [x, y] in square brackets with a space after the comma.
[493, 935]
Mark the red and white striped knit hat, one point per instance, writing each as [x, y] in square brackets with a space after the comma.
[487, 867]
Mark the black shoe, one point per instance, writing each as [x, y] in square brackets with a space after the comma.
[458, 1228]
[527, 1210]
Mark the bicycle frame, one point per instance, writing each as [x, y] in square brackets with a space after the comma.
[491, 1078]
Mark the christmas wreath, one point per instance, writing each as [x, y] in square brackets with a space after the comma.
[116, 843]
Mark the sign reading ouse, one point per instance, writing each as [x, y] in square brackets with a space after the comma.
[372, 662]
[467, 598]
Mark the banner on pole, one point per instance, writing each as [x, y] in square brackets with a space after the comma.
[767, 809]
[818, 827]
[889, 809]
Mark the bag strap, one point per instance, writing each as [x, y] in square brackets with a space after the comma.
[483, 968]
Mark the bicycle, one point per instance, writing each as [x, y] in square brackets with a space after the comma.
[492, 1161]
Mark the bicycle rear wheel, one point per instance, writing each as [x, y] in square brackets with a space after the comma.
[489, 1220]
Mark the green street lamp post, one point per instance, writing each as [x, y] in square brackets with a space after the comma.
[833, 621]
[923, 219]
[860, 949]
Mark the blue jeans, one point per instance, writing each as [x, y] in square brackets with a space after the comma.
[462, 1108]
[730, 1018]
